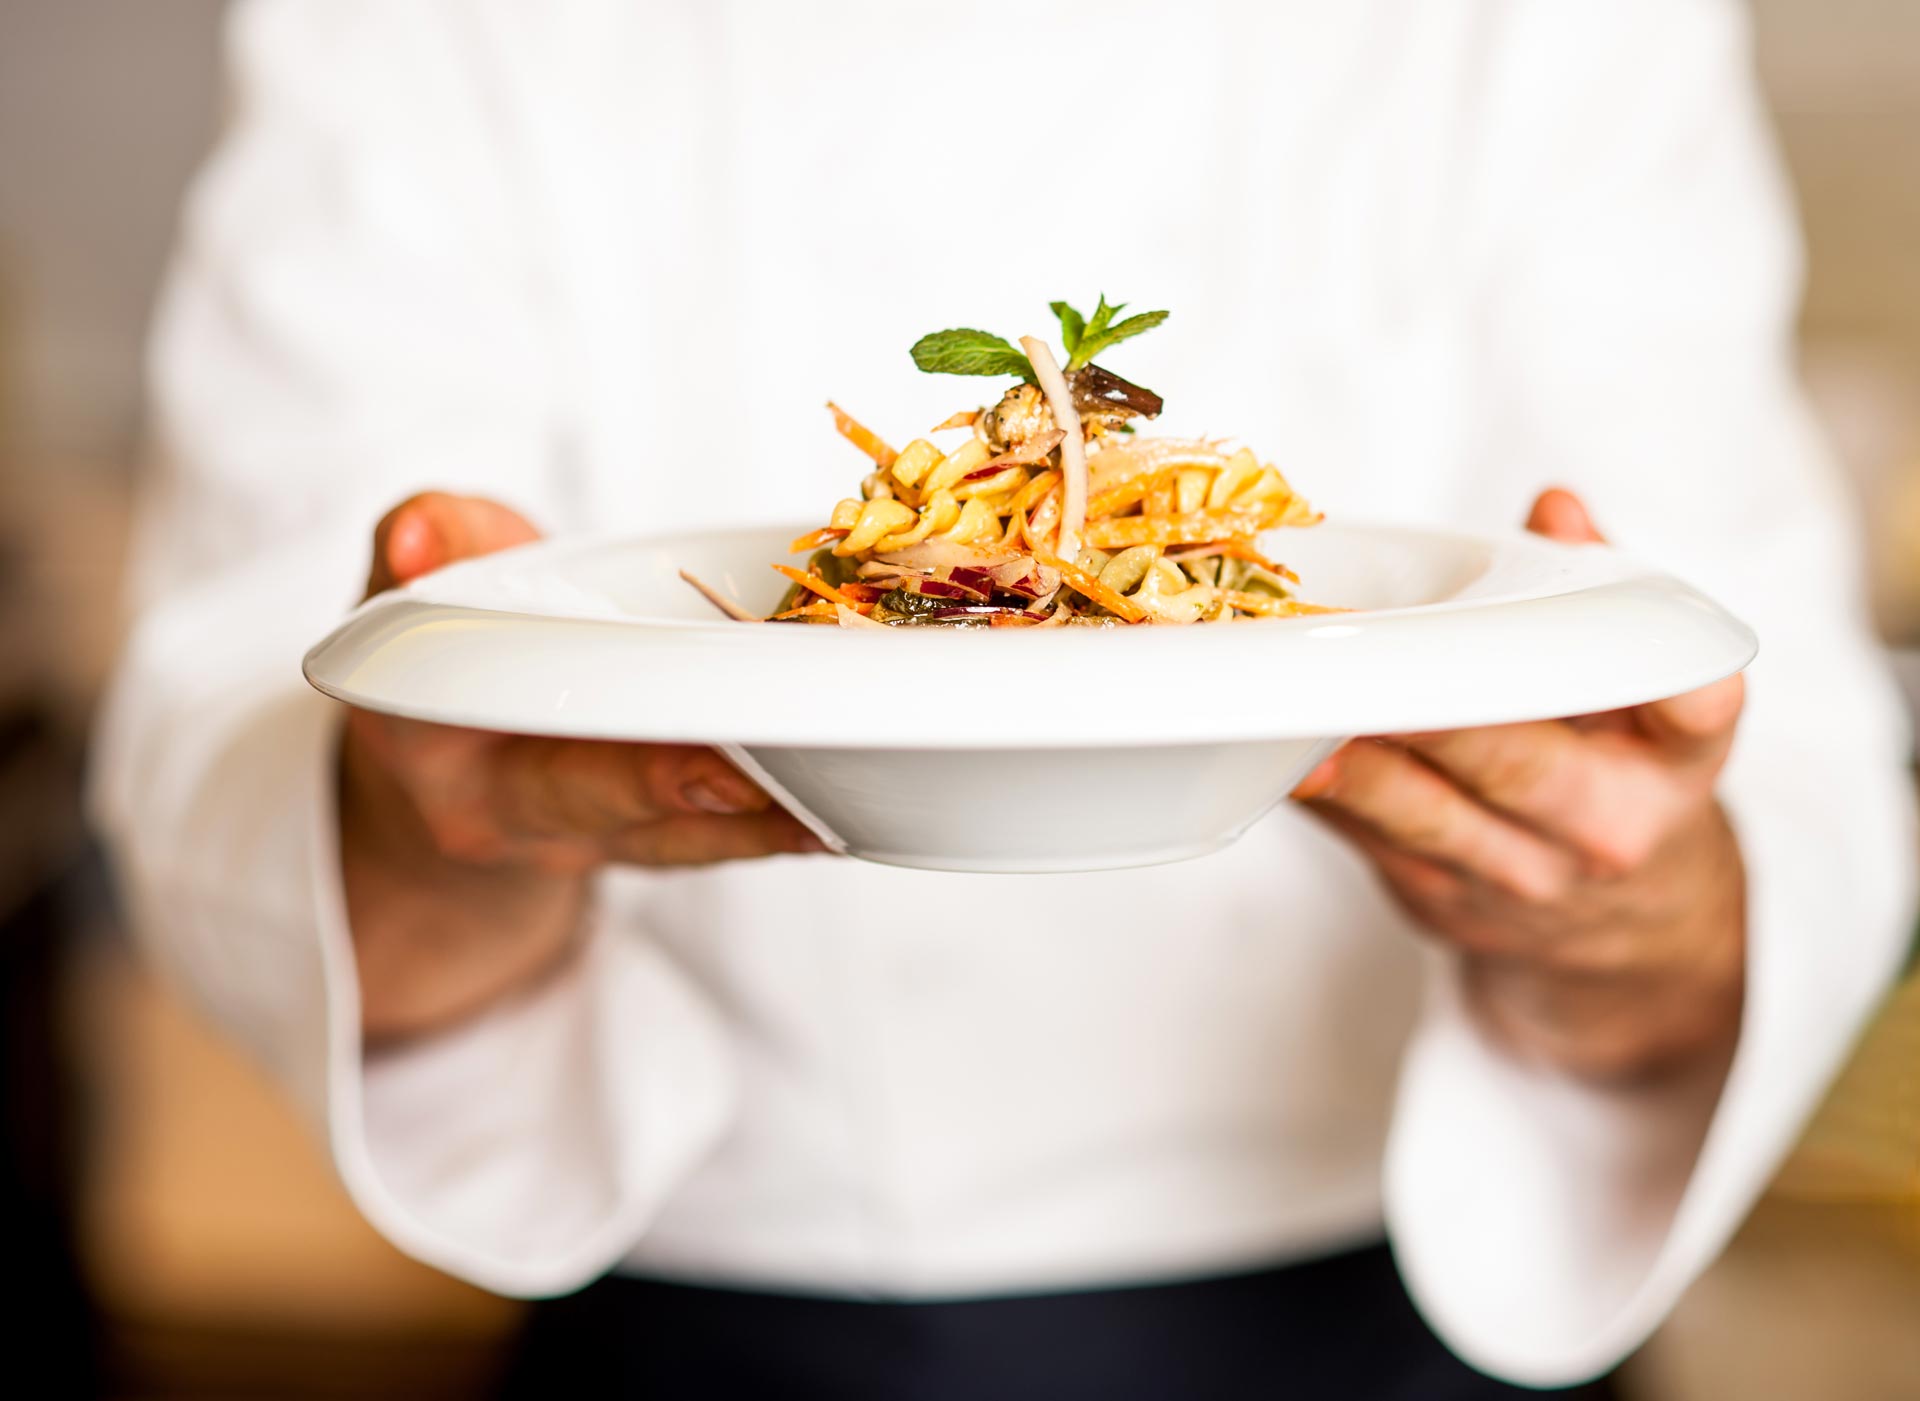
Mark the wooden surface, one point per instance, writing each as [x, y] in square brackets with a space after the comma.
[1812, 1302]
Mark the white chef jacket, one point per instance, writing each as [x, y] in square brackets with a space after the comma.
[605, 260]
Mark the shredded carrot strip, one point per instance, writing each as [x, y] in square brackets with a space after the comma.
[819, 586]
[809, 611]
[814, 539]
[1085, 584]
[1043, 485]
[1123, 494]
[966, 418]
[1117, 498]
[862, 437]
[1244, 550]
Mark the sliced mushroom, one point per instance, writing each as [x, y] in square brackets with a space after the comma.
[1099, 393]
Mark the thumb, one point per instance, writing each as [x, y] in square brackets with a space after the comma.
[435, 529]
[1560, 515]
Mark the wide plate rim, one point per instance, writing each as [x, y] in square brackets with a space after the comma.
[1620, 634]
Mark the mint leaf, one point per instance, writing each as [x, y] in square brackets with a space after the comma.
[963, 351]
[1103, 315]
[1100, 336]
[1072, 325]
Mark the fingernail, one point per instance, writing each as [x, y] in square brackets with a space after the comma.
[1319, 781]
[704, 796]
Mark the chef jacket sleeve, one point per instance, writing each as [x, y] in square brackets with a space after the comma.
[352, 318]
[1634, 344]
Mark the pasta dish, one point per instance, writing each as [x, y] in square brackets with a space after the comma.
[1051, 510]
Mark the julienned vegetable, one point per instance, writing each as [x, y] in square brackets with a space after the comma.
[1050, 511]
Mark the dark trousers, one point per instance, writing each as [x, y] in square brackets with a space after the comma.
[1338, 1329]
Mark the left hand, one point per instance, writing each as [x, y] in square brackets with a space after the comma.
[1582, 868]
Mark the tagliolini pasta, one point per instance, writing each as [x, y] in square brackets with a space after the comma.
[1045, 509]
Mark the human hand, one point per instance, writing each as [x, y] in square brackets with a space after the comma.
[465, 853]
[1582, 868]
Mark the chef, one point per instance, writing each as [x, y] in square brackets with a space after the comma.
[1541, 1005]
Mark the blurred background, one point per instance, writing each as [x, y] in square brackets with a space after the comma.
[168, 1217]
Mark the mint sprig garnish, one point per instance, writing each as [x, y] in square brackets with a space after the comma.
[964, 351]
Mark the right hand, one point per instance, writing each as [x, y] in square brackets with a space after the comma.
[466, 853]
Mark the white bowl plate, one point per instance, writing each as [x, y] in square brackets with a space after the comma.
[913, 746]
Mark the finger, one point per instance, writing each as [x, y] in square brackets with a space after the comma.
[547, 788]
[435, 529]
[1610, 800]
[1444, 902]
[466, 527]
[1425, 887]
[704, 839]
[1698, 724]
[1414, 808]
[1560, 515]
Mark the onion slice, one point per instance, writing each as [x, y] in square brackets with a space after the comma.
[1026, 577]
[939, 554]
[721, 601]
[1073, 448]
[851, 619]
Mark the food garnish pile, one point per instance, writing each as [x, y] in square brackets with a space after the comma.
[1052, 512]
